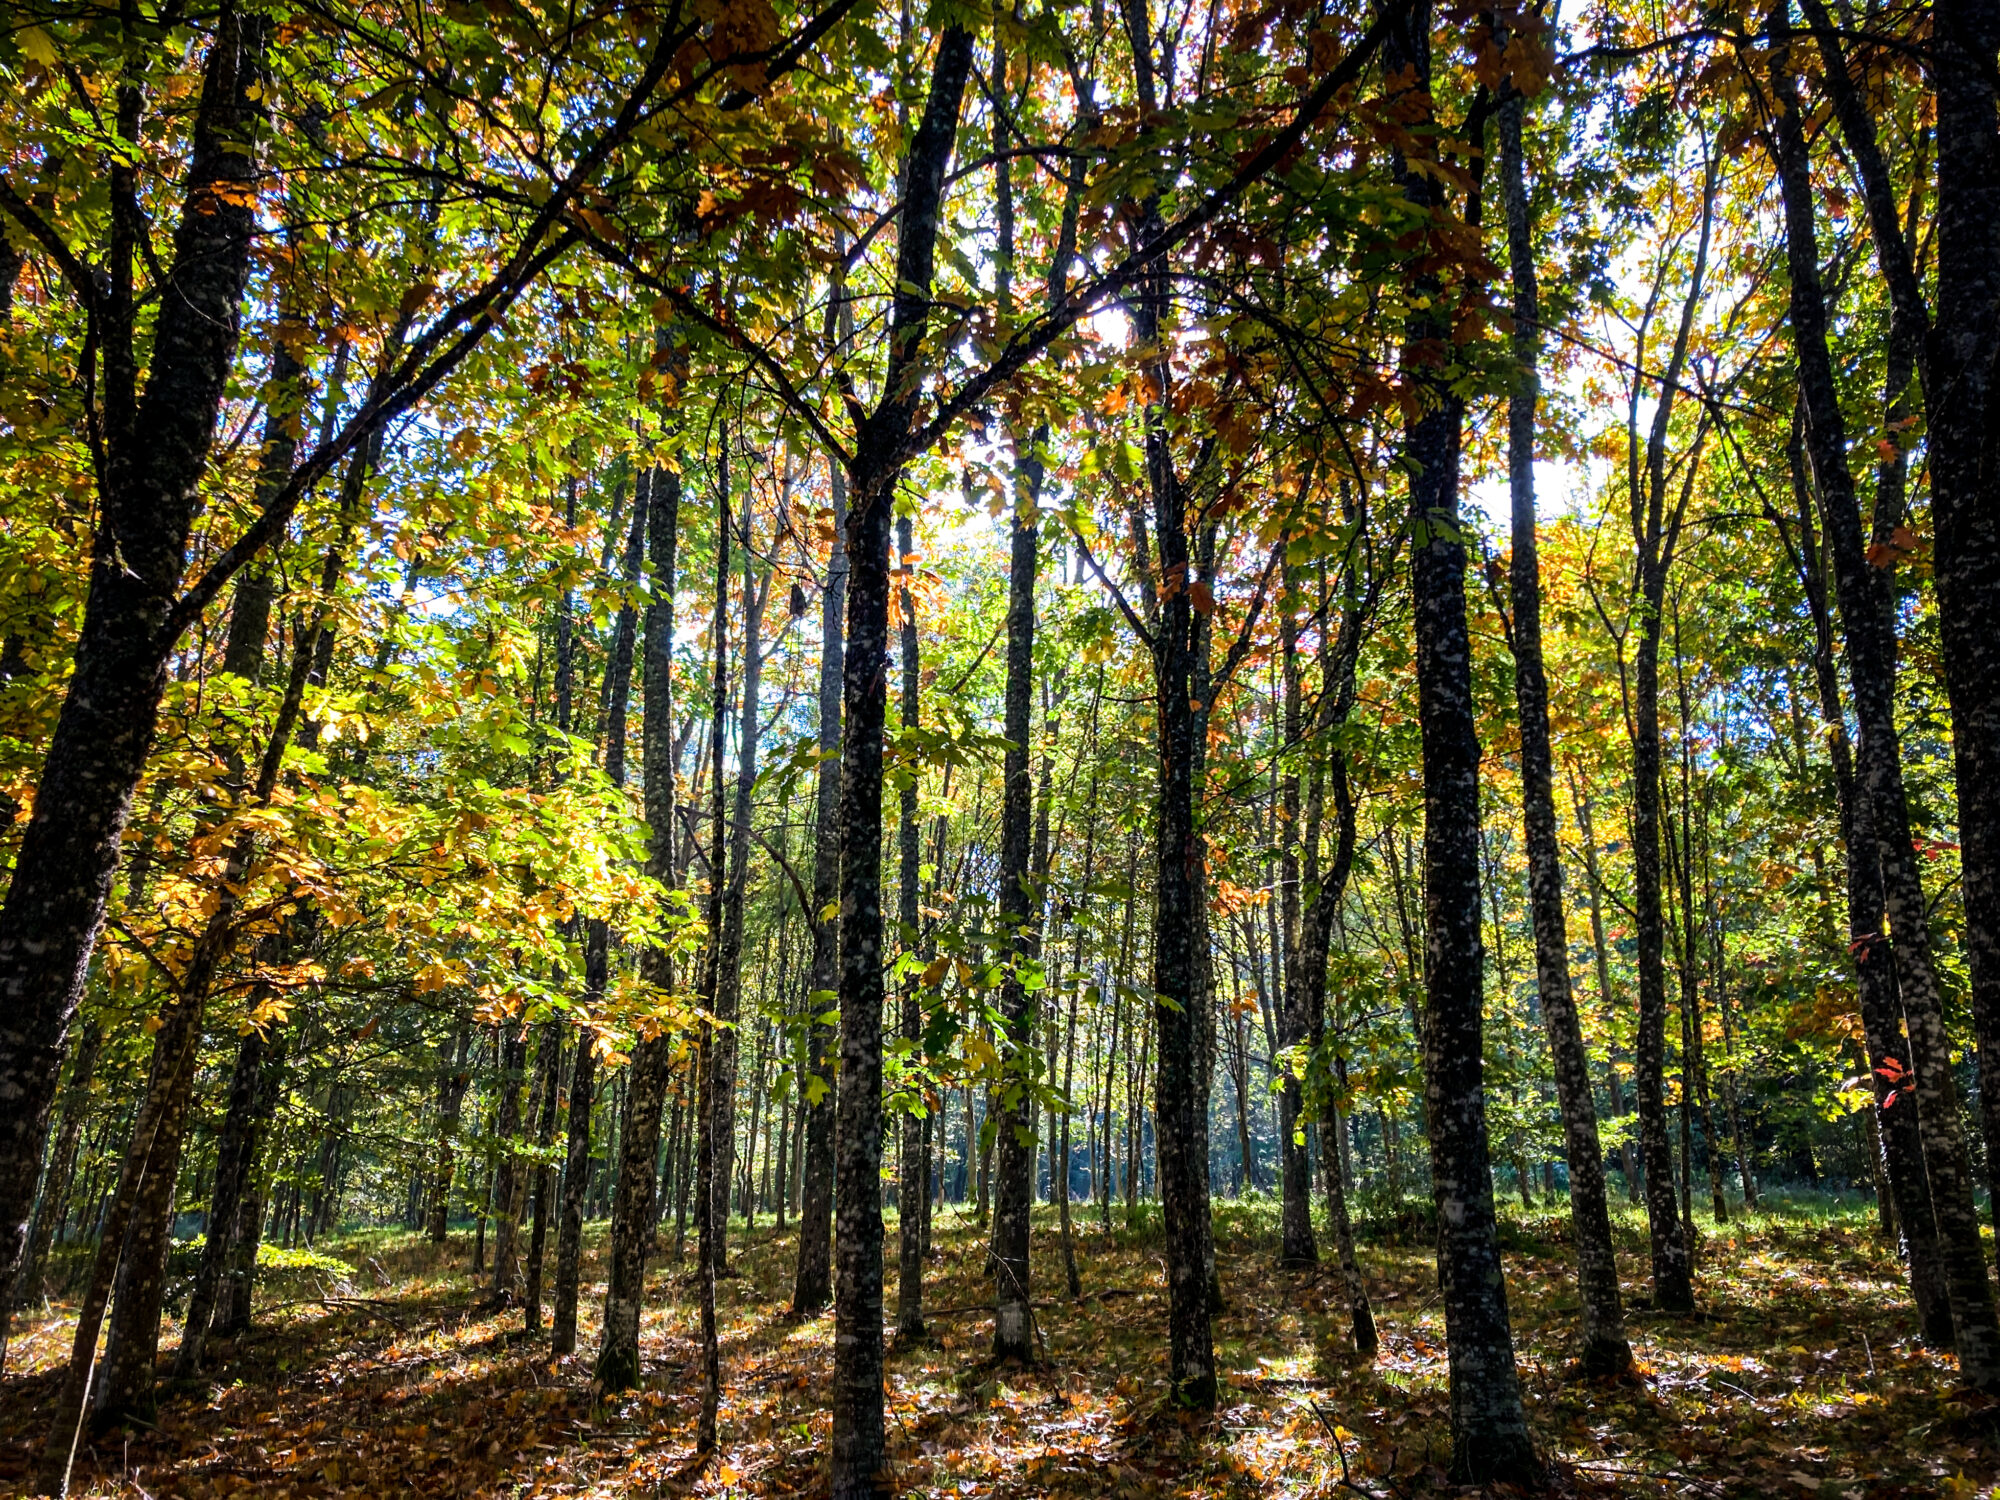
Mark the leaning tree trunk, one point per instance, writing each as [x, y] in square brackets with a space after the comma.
[1489, 1427]
[1875, 979]
[1865, 614]
[157, 447]
[1604, 1350]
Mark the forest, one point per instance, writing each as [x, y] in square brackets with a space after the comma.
[999, 748]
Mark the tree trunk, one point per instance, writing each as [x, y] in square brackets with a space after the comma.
[1964, 462]
[711, 1184]
[859, 1450]
[149, 491]
[911, 1195]
[1604, 1349]
[454, 1077]
[596, 950]
[1020, 899]
[1864, 597]
[812, 1287]
[545, 1106]
[1490, 1439]
[632, 1215]
[56, 1182]
[1296, 1246]
[506, 1131]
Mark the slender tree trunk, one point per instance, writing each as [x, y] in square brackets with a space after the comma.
[1020, 899]
[859, 1447]
[62, 1163]
[1296, 1247]
[632, 1206]
[1490, 1438]
[1604, 1350]
[911, 1195]
[812, 1287]
[711, 1184]
[545, 1108]
[454, 1077]
[506, 1131]
[233, 1306]
[729, 982]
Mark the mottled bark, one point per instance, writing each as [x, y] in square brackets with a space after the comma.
[911, 1186]
[1603, 1349]
[812, 1286]
[1864, 598]
[1489, 1428]
[859, 1448]
[632, 1215]
[1962, 446]
[1020, 908]
[156, 449]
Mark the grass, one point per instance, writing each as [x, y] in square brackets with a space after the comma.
[1801, 1377]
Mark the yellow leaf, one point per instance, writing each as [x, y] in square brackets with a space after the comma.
[36, 44]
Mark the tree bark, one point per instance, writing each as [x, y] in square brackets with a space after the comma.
[911, 1188]
[1603, 1348]
[632, 1215]
[149, 492]
[1490, 1438]
[859, 1449]
[812, 1287]
[1020, 898]
[1863, 592]
[1963, 455]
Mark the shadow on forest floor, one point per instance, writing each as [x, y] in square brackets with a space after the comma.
[1802, 1379]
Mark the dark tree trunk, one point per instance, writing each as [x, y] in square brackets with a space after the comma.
[454, 1077]
[1020, 899]
[1604, 1350]
[149, 491]
[546, 1095]
[239, 1277]
[632, 1215]
[1296, 1246]
[506, 1195]
[911, 1187]
[596, 953]
[1490, 1438]
[1864, 597]
[234, 1163]
[812, 1288]
[729, 981]
[711, 1183]
[1962, 444]
[56, 1181]
[859, 1449]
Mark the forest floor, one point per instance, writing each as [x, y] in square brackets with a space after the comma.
[1800, 1378]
